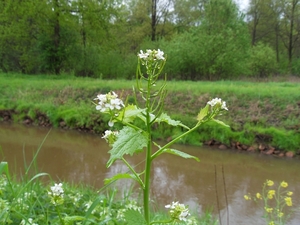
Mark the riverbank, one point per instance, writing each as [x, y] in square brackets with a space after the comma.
[263, 116]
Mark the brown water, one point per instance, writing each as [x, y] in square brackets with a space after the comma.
[78, 157]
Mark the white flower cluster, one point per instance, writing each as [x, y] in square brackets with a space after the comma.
[178, 211]
[151, 55]
[218, 103]
[56, 190]
[109, 102]
[28, 222]
[110, 136]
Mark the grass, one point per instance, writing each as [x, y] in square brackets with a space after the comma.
[255, 108]
[30, 201]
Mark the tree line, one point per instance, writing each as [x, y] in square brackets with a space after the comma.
[203, 39]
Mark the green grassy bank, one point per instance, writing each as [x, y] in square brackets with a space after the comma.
[33, 200]
[262, 115]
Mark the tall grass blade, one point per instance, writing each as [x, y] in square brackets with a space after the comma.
[36, 154]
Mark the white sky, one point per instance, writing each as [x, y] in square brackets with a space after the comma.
[243, 4]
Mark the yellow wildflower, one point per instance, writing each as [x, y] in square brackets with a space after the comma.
[271, 223]
[288, 201]
[283, 184]
[280, 214]
[270, 183]
[247, 197]
[258, 196]
[290, 193]
[270, 194]
[268, 210]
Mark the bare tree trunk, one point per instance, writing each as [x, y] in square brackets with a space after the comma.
[153, 20]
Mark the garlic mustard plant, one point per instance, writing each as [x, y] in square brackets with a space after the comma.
[56, 194]
[178, 211]
[132, 139]
[277, 202]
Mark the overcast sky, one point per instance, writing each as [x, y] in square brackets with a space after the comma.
[243, 4]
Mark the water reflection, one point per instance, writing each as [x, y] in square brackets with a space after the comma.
[78, 157]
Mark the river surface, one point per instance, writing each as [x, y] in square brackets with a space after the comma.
[81, 158]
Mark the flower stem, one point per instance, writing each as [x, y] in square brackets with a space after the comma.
[148, 158]
[59, 215]
[138, 179]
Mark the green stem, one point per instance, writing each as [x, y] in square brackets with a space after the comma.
[138, 179]
[148, 155]
[60, 218]
[157, 153]
[147, 173]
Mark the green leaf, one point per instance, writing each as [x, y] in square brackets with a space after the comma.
[129, 142]
[167, 119]
[130, 112]
[69, 220]
[4, 169]
[134, 217]
[203, 113]
[221, 123]
[118, 177]
[181, 154]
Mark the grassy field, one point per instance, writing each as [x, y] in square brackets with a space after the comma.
[265, 113]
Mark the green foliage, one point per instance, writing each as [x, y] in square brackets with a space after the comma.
[135, 217]
[180, 153]
[296, 67]
[216, 49]
[262, 61]
[282, 139]
[59, 98]
[129, 141]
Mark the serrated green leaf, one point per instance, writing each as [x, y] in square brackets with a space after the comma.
[203, 113]
[118, 177]
[221, 123]
[134, 217]
[167, 119]
[130, 112]
[129, 142]
[181, 154]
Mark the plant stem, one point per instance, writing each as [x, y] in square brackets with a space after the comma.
[138, 179]
[157, 153]
[148, 158]
[60, 218]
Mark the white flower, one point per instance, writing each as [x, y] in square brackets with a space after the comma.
[28, 222]
[224, 106]
[108, 102]
[116, 104]
[111, 123]
[214, 102]
[159, 54]
[110, 136]
[217, 102]
[57, 190]
[151, 55]
[143, 55]
[178, 211]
